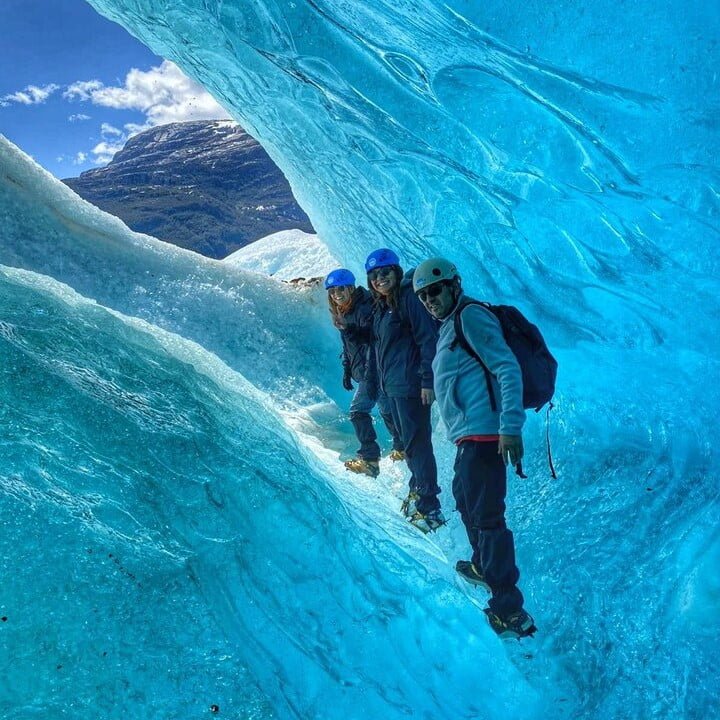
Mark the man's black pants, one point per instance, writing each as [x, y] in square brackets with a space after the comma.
[479, 488]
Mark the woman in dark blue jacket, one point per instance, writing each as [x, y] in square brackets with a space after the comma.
[400, 364]
[351, 309]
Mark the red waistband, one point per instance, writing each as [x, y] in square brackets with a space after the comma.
[478, 438]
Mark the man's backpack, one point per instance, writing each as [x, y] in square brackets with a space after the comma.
[538, 366]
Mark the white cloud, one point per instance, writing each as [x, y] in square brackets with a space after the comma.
[163, 94]
[78, 117]
[133, 128]
[104, 151]
[82, 90]
[80, 158]
[31, 95]
[106, 129]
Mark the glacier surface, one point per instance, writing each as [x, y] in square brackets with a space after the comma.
[286, 255]
[176, 531]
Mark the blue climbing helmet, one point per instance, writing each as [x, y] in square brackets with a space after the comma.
[339, 278]
[384, 257]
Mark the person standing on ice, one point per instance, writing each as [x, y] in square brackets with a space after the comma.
[486, 439]
[403, 346]
[351, 311]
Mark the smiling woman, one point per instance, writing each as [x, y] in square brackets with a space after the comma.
[404, 338]
[62, 103]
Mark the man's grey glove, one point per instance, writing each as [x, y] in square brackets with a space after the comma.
[347, 380]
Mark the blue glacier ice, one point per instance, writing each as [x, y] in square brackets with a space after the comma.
[177, 533]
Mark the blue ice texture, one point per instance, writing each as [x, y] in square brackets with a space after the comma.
[177, 528]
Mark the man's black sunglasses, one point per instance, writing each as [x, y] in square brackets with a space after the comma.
[432, 292]
[380, 272]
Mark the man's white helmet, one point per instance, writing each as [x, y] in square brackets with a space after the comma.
[432, 271]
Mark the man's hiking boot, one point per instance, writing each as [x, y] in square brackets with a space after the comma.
[408, 507]
[396, 455]
[363, 467]
[429, 522]
[467, 571]
[518, 625]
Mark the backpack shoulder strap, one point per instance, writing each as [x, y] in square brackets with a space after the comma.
[461, 340]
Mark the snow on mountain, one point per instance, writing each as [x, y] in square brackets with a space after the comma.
[286, 255]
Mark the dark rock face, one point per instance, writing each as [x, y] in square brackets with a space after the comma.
[203, 185]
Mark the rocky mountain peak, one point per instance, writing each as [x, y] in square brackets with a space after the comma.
[205, 185]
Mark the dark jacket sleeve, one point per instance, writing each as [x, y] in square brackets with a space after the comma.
[345, 356]
[371, 370]
[424, 330]
[371, 377]
[359, 334]
[361, 322]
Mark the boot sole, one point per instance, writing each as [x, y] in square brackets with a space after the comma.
[474, 581]
[369, 473]
[508, 634]
[477, 583]
[514, 635]
[424, 528]
[362, 472]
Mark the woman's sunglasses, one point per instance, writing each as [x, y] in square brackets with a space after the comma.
[432, 292]
[382, 272]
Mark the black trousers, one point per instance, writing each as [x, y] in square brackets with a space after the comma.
[479, 488]
[362, 404]
[412, 419]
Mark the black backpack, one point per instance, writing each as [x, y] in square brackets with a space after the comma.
[538, 366]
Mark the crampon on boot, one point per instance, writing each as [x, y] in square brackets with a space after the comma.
[467, 571]
[363, 467]
[518, 625]
[429, 522]
[408, 504]
[396, 455]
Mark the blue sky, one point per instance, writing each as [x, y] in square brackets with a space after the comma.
[74, 86]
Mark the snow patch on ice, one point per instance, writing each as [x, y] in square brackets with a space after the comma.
[286, 255]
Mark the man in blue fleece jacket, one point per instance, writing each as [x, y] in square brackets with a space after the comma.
[487, 440]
